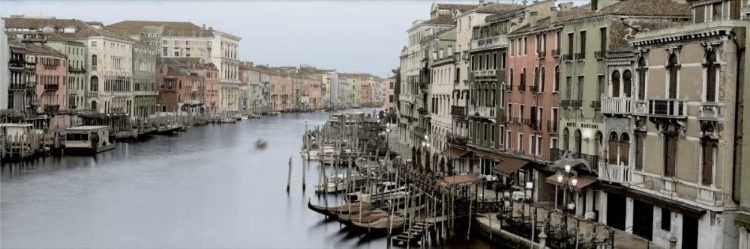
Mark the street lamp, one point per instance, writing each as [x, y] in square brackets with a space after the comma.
[568, 181]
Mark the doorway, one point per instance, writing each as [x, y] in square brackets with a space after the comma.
[616, 211]
[643, 220]
[689, 232]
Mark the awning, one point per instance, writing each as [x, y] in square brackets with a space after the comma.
[456, 153]
[583, 181]
[459, 180]
[491, 156]
[509, 165]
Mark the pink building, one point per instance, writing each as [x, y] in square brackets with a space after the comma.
[51, 90]
[313, 90]
[533, 100]
[389, 100]
[281, 92]
[202, 92]
[366, 97]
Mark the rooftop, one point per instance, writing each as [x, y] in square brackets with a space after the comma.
[498, 8]
[134, 27]
[655, 8]
[37, 23]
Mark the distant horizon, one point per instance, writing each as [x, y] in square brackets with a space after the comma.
[348, 36]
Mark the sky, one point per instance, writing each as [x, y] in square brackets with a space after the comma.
[347, 35]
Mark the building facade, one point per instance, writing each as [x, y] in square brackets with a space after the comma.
[51, 90]
[144, 80]
[76, 80]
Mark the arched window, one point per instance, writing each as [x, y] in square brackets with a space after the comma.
[488, 95]
[557, 78]
[627, 77]
[711, 69]
[615, 84]
[566, 139]
[94, 62]
[510, 80]
[179, 84]
[523, 80]
[625, 149]
[642, 78]
[493, 95]
[578, 141]
[672, 66]
[613, 147]
[93, 105]
[94, 84]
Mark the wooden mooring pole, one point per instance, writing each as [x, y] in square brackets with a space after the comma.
[289, 178]
[304, 165]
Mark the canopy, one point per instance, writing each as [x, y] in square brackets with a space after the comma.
[456, 153]
[583, 181]
[509, 165]
[459, 180]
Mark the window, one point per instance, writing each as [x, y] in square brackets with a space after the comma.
[639, 144]
[556, 82]
[510, 80]
[600, 87]
[557, 40]
[711, 69]
[502, 61]
[176, 42]
[670, 153]
[627, 84]
[525, 46]
[583, 42]
[666, 219]
[494, 61]
[176, 53]
[536, 77]
[473, 62]
[164, 51]
[708, 147]
[544, 75]
[672, 66]
[538, 43]
[532, 145]
[624, 149]
[578, 141]
[492, 134]
[580, 88]
[568, 88]
[507, 140]
[512, 43]
[566, 141]
[187, 52]
[616, 84]
[603, 39]
[523, 79]
[520, 141]
[487, 62]
[539, 146]
[93, 43]
[570, 43]
[642, 78]
[553, 143]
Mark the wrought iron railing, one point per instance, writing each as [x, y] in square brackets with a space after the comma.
[580, 56]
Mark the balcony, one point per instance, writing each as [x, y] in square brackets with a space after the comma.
[535, 125]
[542, 54]
[485, 73]
[614, 173]
[458, 111]
[710, 111]
[640, 107]
[596, 104]
[617, 105]
[552, 126]
[51, 87]
[521, 88]
[576, 103]
[708, 196]
[600, 55]
[93, 67]
[667, 108]
[556, 154]
[567, 57]
[18, 63]
[555, 53]
[17, 86]
[422, 111]
[581, 56]
[565, 103]
[534, 89]
[51, 108]
[457, 140]
[482, 111]
[488, 42]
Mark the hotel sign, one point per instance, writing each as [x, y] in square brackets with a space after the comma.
[583, 125]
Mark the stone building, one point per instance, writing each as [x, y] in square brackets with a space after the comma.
[75, 51]
[144, 80]
[51, 90]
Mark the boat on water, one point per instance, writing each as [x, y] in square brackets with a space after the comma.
[261, 144]
[362, 217]
[314, 154]
[88, 139]
[327, 155]
[383, 224]
[243, 117]
[350, 208]
[384, 191]
[338, 183]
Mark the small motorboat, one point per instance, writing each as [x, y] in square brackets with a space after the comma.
[261, 144]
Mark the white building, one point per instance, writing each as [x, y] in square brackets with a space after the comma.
[4, 71]
[225, 49]
[334, 88]
[109, 63]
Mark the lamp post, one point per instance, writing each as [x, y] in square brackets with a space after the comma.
[567, 180]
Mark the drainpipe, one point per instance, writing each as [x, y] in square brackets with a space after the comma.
[736, 167]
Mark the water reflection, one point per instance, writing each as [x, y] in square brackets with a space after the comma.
[207, 187]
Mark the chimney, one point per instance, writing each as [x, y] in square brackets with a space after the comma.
[554, 13]
[532, 18]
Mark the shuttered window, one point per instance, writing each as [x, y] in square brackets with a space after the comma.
[709, 148]
[541, 89]
[615, 84]
[613, 144]
[583, 42]
[642, 78]
[639, 144]
[670, 154]
[672, 76]
[711, 69]
[625, 149]
[627, 81]
[700, 14]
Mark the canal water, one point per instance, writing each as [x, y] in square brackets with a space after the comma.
[207, 187]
